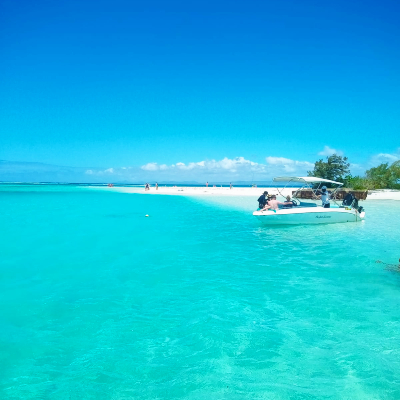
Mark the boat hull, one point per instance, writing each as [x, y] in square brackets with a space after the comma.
[306, 216]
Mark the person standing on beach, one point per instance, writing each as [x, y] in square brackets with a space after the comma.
[230, 185]
[207, 184]
[147, 187]
[156, 186]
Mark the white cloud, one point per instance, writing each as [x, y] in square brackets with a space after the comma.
[288, 165]
[107, 171]
[328, 151]
[181, 165]
[225, 169]
[385, 158]
[279, 160]
[225, 164]
[150, 167]
[236, 168]
[232, 165]
[357, 169]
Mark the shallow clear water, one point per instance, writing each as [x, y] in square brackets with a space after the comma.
[198, 301]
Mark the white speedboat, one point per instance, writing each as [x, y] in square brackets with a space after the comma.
[310, 212]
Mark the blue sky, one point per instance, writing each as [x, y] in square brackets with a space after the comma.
[197, 90]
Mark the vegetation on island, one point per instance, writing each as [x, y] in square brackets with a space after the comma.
[334, 168]
[337, 168]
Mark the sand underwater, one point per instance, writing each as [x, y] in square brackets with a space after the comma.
[197, 301]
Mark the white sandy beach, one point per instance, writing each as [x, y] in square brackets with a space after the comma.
[384, 194]
[203, 191]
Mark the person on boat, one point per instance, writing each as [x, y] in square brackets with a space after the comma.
[263, 200]
[325, 197]
[288, 203]
[273, 204]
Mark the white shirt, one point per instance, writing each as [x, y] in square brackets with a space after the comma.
[325, 198]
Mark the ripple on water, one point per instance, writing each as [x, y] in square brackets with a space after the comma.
[198, 301]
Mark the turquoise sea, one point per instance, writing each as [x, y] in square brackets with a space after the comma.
[197, 301]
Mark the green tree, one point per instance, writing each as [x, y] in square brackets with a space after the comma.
[379, 176]
[335, 168]
[384, 176]
[357, 182]
[395, 170]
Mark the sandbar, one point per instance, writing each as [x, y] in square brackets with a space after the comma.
[384, 194]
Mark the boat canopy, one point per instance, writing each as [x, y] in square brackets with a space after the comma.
[304, 179]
